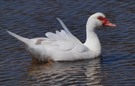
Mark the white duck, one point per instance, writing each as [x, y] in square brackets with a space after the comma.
[63, 45]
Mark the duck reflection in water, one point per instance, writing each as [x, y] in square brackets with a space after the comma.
[86, 72]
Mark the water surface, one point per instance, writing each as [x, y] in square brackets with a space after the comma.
[32, 18]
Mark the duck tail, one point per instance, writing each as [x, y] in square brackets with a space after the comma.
[20, 38]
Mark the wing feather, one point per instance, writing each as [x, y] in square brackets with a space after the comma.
[65, 40]
[67, 31]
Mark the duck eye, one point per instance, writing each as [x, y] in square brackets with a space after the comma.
[104, 20]
[101, 18]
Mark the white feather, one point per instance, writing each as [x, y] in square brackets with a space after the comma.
[63, 45]
[23, 39]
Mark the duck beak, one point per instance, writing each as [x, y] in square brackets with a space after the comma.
[110, 24]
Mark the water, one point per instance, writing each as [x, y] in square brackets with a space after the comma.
[32, 18]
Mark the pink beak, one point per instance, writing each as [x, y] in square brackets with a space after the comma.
[110, 24]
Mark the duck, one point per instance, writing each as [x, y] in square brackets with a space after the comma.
[63, 45]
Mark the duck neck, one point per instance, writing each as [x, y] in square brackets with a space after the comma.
[92, 40]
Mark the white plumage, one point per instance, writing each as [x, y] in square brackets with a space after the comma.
[63, 45]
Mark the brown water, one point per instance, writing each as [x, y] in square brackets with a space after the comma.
[32, 18]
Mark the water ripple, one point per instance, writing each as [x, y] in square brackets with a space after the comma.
[35, 17]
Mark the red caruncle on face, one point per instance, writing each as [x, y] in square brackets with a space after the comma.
[106, 22]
